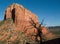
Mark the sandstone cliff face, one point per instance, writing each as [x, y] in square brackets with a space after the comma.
[20, 15]
[22, 19]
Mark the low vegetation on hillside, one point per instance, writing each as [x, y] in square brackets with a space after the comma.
[9, 34]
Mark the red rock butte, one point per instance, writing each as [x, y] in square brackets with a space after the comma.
[22, 19]
[20, 15]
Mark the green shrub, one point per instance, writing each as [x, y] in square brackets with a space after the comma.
[1, 23]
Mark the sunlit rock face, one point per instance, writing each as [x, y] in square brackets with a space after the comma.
[22, 19]
[20, 15]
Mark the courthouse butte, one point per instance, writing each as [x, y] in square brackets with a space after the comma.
[22, 18]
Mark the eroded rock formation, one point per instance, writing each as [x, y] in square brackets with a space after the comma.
[22, 19]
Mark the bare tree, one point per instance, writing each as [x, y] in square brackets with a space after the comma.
[39, 29]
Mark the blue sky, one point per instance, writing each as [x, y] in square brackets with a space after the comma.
[49, 10]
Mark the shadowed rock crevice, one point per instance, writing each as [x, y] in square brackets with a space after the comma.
[13, 14]
[5, 17]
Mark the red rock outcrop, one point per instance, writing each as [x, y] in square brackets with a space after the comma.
[22, 19]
